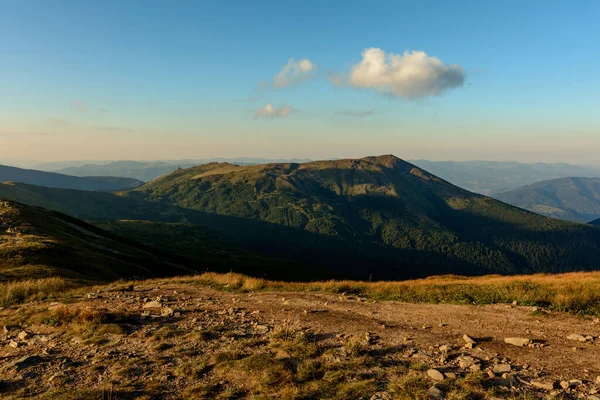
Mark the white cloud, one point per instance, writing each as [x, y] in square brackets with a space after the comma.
[293, 73]
[355, 113]
[411, 75]
[268, 111]
[79, 106]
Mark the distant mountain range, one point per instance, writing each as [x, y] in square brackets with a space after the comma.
[375, 217]
[143, 171]
[147, 171]
[56, 180]
[491, 177]
[573, 199]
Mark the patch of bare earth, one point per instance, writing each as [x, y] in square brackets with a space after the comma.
[182, 341]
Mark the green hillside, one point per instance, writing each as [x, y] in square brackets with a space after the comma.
[573, 199]
[51, 179]
[35, 243]
[385, 209]
[372, 218]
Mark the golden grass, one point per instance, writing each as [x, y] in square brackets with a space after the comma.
[577, 292]
[31, 289]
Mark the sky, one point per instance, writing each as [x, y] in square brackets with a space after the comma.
[438, 80]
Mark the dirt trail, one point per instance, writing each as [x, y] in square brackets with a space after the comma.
[415, 331]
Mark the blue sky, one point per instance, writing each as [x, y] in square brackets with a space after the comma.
[156, 80]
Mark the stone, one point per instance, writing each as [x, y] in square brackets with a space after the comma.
[502, 368]
[23, 335]
[167, 312]
[468, 339]
[491, 373]
[6, 329]
[435, 393]
[515, 341]
[466, 361]
[13, 344]
[435, 375]
[564, 384]
[575, 382]
[544, 385]
[152, 304]
[450, 375]
[577, 337]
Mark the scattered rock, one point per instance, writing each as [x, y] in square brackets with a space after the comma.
[435, 375]
[466, 361]
[502, 368]
[13, 344]
[520, 342]
[544, 385]
[564, 384]
[435, 393]
[577, 337]
[167, 312]
[23, 335]
[6, 329]
[469, 340]
[152, 304]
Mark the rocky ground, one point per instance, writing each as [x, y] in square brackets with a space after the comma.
[174, 340]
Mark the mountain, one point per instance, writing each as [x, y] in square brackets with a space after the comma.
[596, 222]
[490, 177]
[149, 170]
[35, 242]
[383, 217]
[144, 171]
[371, 218]
[573, 199]
[51, 179]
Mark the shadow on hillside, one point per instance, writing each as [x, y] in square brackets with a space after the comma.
[296, 254]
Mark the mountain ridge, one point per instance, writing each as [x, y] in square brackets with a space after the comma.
[572, 198]
[61, 181]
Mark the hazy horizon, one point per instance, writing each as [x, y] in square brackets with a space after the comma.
[422, 80]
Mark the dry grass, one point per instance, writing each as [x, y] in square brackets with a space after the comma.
[31, 289]
[573, 292]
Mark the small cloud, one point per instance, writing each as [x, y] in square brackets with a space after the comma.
[101, 110]
[268, 112]
[79, 106]
[114, 129]
[293, 73]
[412, 75]
[247, 99]
[356, 113]
[57, 122]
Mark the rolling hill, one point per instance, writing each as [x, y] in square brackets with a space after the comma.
[394, 219]
[573, 199]
[371, 218]
[61, 181]
[35, 243]
[491, 177]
